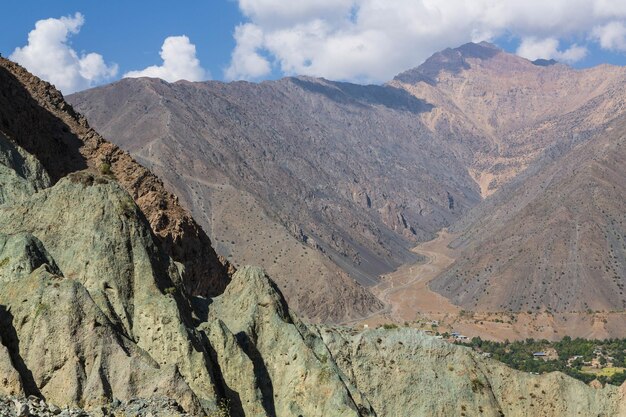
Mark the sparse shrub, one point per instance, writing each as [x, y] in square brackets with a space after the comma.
[105, 169]
[127, 207]
[223, 409]
[477, 385]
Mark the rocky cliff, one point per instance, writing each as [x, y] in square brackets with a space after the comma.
[34, 115]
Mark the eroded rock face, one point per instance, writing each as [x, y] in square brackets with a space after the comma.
[292, 367]
[88, 274]
[21, 174]
[36, 117]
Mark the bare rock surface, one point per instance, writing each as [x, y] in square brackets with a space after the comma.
[37, 118]
[434, 378]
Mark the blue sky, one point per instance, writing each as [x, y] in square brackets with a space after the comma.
[353, 40]
[130, 33]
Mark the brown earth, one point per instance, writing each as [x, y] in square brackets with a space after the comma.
[410, 302]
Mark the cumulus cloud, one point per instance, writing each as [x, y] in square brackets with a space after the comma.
[179, 62]
[49, 56]
[611, 36]
[372, 40]
[533, 48]
[247, 62]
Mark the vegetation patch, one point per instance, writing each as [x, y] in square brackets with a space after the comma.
[583, 359]
[477, 385]
[608, 372]
[105, 169]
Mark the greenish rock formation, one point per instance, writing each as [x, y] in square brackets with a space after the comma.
[21, 174]
[435, 378]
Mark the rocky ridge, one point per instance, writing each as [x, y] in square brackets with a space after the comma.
[36, 117]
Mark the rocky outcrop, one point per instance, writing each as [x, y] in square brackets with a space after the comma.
[36, 117]
[21, 174]
[81, 268]
[435, 378]
[292, 370]
[19, 406]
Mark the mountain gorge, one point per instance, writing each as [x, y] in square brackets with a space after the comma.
[112, 301]
[361, 179]
[348, 178]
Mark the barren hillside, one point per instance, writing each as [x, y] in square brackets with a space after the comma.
[338, 181]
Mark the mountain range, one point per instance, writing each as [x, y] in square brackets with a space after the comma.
[114, 302]
[520, 160]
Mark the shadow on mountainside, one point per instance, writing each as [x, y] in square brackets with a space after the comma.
[260, 372]
[364, 95]
[11, 341]
[37, 130]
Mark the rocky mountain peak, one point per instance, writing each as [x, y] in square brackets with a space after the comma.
[449, 60]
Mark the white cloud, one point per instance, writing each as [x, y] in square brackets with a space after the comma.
[533, 48]
[372, 40]
[277, 12]
[179, 62]
[246, 61]
[611, 36]
[49, 56]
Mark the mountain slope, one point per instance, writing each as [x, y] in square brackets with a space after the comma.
[509, 110]
[347, 178]
[347, 170]
[556, 241]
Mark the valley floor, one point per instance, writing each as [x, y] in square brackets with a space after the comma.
[409, 301]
